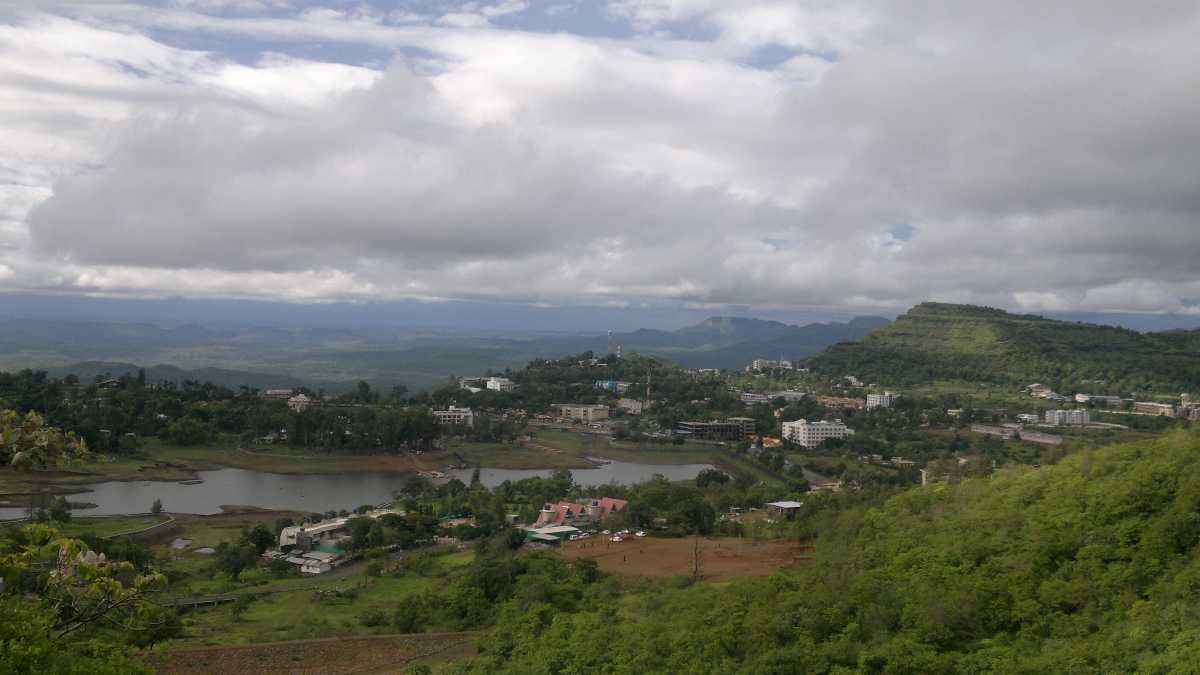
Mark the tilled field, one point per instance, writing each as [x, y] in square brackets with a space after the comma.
[333, 656]
[719, 558]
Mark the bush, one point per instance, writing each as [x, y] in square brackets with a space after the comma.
[373, 618]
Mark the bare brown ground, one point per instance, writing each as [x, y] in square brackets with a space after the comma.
[333, 656]
[720, 559]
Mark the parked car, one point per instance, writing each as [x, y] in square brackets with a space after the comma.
[639, 533]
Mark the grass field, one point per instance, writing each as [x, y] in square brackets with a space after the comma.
[499, 456]
[301, 614]
[330, 656]
[104, 527]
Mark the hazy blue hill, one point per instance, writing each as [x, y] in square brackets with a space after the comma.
[937, 341]
[336, 358]
[78, 337]
[795, 342]
[736, 329]
[87, 371]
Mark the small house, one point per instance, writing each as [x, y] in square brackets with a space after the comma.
[785, 510]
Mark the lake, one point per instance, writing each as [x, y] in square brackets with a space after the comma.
[316, 492]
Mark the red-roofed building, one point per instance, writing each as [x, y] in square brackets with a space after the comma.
[573, 513]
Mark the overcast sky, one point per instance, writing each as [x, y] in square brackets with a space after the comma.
[858, 156]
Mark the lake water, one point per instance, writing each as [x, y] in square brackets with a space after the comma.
[316, 492]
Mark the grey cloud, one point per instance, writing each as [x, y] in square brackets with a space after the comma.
[1044, 152]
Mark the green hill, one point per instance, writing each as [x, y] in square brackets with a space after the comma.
[935, 341]
[1088, 566]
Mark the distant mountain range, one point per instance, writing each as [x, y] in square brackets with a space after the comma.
[337, 358]
[88, 370]
[936, 341]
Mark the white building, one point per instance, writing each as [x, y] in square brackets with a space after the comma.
[453, 416]
[633, 406]
[1068, 418]
[1098, 400]
[500, 384]
[1160, 409]
[1028, 418]
[811, 434]
[750, 398]
[884, 400]
[299, 402]
[582, 412]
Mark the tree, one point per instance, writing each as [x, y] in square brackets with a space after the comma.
[260, 538]
[711, 477]
[60, 510]
[233, 559]
[157, 507]
[27, 442]
[82, 589]
[28, 628]
[188, 431]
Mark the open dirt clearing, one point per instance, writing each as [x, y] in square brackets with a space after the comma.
[719, 558]
[335, 656]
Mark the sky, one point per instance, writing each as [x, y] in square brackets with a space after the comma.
[772, 156]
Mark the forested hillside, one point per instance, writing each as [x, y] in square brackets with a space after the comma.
[936, 341]
[1087, 566]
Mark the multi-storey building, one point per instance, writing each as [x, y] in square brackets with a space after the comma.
[1068, 418]
[633, 406]
[811, 434]
[582, 412]
[500, 384]
[453, 416]
[732, 429]
[1160, 409]
[884, 400]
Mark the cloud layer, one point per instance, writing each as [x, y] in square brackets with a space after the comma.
[859, 155]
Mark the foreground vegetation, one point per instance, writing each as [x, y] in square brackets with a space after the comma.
[1088, 566]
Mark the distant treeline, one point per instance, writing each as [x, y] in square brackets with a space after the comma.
[113, 414]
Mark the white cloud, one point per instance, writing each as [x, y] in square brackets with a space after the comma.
[1046, 162]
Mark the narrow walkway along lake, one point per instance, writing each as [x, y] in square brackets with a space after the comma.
[316, 492]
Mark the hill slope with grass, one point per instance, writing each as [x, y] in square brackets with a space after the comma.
[1088, 566]
[935, 341]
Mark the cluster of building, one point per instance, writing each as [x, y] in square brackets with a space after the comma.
[613, 386]
[559, 521]
[316, 548]
[296, 402]
[491, 383]
[841, 402]
[811, 434]
[1011, 430]
[770, 364]
[752, 397]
